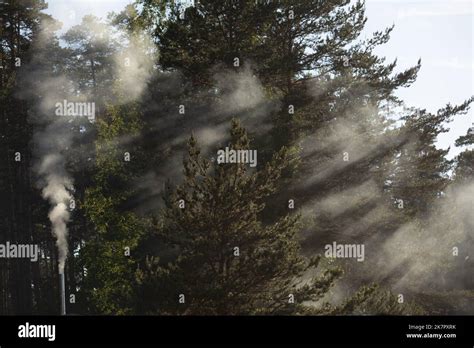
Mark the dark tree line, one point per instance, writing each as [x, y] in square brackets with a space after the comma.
[153, 234]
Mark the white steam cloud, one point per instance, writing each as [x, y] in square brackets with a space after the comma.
[431, 251]
[42, 89]
[53, 136]
[134, 66]
[57, 193]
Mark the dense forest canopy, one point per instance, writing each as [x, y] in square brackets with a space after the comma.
[225, 157]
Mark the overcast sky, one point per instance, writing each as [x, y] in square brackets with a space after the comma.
[440, 32]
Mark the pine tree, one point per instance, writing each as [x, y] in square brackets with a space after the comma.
[89, 54]
[108, 256]
[221, 258]
[310, 56]
[464, 172]
[26, 287]
[421, 172]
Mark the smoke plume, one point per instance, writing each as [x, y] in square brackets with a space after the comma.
[53, 135]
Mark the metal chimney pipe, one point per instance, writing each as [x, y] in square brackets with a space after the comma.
[62, 293]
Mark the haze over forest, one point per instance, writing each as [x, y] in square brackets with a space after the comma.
[224, 158]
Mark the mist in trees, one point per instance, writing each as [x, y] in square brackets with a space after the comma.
[152, 221]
